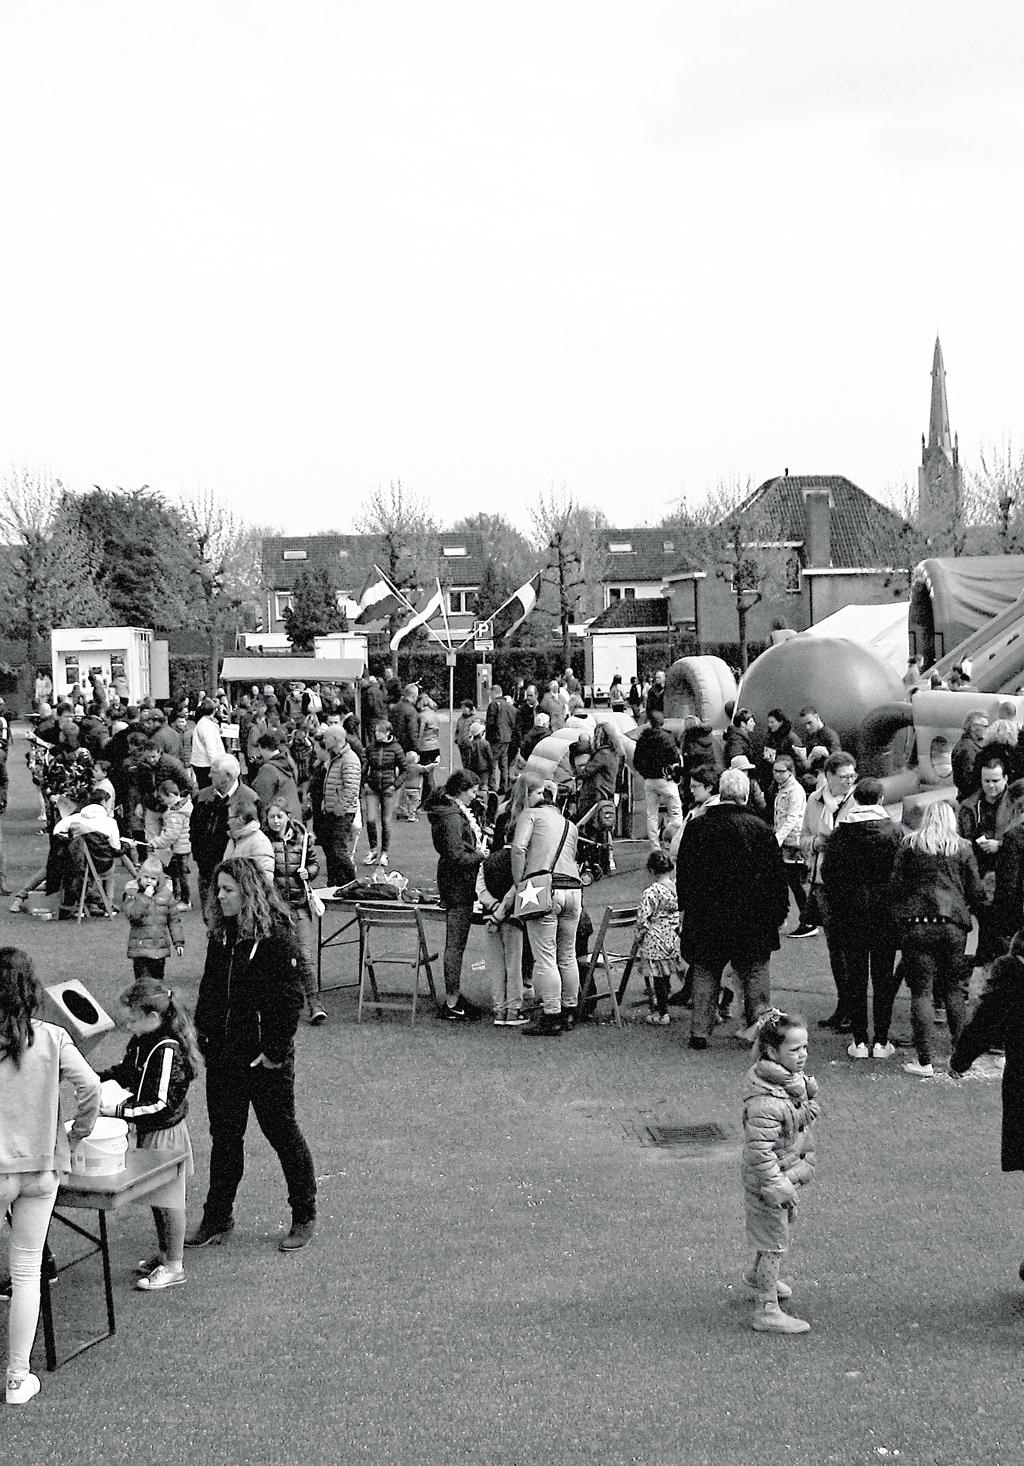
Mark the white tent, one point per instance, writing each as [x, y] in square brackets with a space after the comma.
[882, 628]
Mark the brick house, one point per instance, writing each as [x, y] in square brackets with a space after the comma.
[457, 560]
[821, 542]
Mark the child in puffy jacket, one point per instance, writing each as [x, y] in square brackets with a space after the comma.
[173, 839]
[153, 919]
[779, 1111]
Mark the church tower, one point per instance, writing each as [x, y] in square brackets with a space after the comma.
[940, 485]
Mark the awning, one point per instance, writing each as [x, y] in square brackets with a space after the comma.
[291, 669]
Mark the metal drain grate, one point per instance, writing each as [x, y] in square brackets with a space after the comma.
[690, 1136]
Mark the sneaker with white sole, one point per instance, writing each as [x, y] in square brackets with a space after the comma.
[883, 1051]
[383, 861]
[20, 1391]
[160, 1277]
[370, 859]
[923, 1071]
[857, 1051]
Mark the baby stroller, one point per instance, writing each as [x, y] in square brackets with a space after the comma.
[594, 833]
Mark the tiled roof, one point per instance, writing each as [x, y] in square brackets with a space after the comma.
[639, 614]
[351, 558]
[861, 527]
[652, 553]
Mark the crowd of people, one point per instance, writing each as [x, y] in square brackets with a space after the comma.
[738, 828]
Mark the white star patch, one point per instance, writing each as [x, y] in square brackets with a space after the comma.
[529, 895]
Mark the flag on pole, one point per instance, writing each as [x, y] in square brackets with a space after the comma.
[373, 591]
[420, 617]
[516, 609]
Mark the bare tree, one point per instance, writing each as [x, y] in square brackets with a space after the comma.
[569, 534]
[48, 573]
[997, 495]
[401, 520]
[737, 531]
[226, 568]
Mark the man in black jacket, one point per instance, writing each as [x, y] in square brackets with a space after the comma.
[208, 827]
[656, 760]
[733, 898]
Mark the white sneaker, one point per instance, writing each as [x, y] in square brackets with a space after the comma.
[383, 859]
[857, 1051]
[923, 1071]
[19, 1392]
[883, 1051]
[370, 859]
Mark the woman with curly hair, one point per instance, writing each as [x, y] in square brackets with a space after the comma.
[250, 999]
[35, 1058]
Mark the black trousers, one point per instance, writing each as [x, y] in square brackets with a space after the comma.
[335, 834]
[879, 964]
[231, 1087]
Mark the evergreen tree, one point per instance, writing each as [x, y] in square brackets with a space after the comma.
[314, 610]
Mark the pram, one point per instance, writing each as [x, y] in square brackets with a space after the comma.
[594, 854]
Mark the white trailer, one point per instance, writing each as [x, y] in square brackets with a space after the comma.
[608, 652]
[120, 655]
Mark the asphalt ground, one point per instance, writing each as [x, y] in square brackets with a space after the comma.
[504, 1273]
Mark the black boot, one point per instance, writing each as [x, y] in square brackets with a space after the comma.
[568, 1019]
[545, 1025]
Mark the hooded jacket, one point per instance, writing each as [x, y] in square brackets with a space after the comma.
[252, 844]
[856, 867]
[287, 848]
[779, 1111]
[250, 996]
[459, 852]
[731, 885]
[154, 922]
[31, 1136]
[276, 780]
[385, 767]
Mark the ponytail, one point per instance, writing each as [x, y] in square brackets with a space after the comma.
[147, 995]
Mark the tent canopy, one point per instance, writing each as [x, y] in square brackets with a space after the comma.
[882, 628]
[291, 669]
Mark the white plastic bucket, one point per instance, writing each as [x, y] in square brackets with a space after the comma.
[104, 1151]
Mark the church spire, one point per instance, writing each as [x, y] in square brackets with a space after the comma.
[938, 418]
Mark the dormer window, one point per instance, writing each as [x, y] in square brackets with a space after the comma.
[621, 547]
[454, 552]
[293, 554]
[668, 546]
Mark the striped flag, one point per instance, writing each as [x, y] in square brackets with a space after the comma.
[372, 592]
[516, 609]
[427, 609]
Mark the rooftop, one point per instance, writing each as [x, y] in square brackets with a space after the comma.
[862, 529]
[637, 555]
[458, 559]
[635, 614]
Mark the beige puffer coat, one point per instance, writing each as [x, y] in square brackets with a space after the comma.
[779, 1111]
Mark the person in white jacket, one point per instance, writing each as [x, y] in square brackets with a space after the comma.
[35, 1058]
[207, 744]
[788, 818]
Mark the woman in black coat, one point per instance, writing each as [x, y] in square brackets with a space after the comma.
[934, 890]
[855, 872]
[459, 843]
[250, 999]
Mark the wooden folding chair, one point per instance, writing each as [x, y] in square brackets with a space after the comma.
[616, 918]
[373, 921]
[92, 881]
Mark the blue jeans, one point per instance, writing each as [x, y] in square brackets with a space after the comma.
[379, 809]
[933, 959]
[556, 972]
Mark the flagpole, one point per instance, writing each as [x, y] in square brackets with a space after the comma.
[410, 607]
[450, 658]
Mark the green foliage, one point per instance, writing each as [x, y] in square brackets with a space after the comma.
[142, 553]
[314, 610]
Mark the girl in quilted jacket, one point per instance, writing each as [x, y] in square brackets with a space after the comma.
[780, 1108]
[153, 919]
[295, 867]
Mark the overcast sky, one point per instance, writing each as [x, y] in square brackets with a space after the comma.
[288, 251]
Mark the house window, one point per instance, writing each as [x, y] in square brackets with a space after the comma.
[293, 554]
[614, 594]
[623, 547]
[745, 579]
[454, 552]
[459, 599]
[621, 593]
[629, 593]
[668, 546]
[793, 575]
[282, 602]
